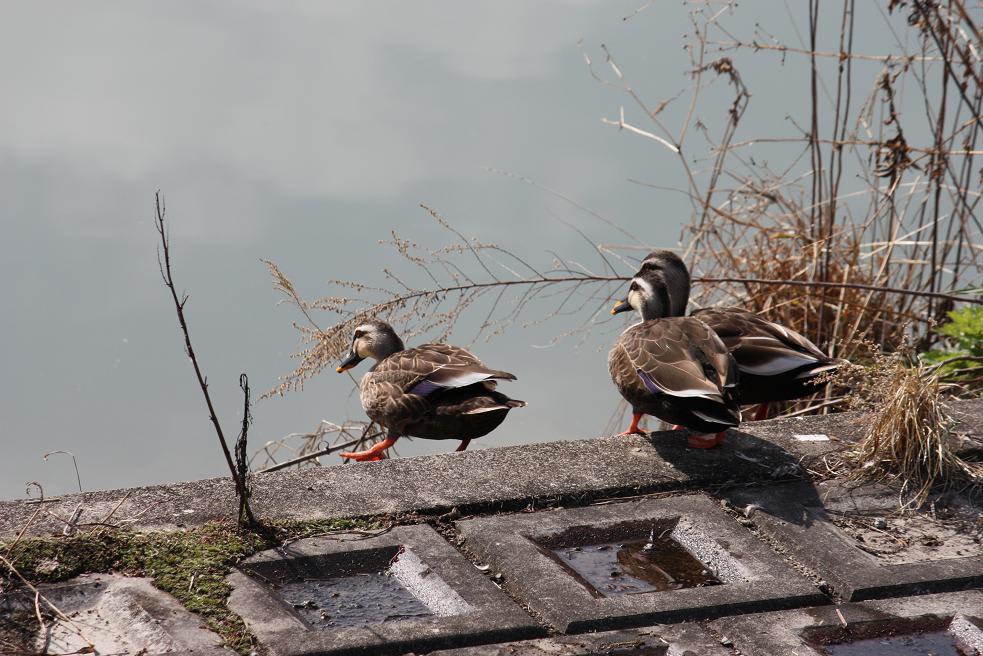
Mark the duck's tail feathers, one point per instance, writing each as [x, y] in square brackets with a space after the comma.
[502, 375]
[820, 368]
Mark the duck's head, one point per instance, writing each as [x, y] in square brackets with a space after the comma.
[371, 339]
[647, 295]
[661, 287]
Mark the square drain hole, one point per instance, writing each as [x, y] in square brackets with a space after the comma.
[629, 558]
[939, 624]
[401, 590]
[933, 635]
[360, 588]
[634, 563]
[360, 599]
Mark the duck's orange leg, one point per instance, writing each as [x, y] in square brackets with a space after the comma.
[373, 453]
[761, 412]
[633, 429]
[698, 441]
[464, 445]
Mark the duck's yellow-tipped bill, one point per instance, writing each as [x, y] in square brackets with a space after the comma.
[351, 359]
[621, 306]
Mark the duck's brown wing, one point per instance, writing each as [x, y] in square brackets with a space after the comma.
[403, 388]
[434, 367]
[680, 357]
[762, 347]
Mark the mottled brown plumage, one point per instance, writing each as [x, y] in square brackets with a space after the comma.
[776, 363]
[433, 391]
[391, 394]
[678, 370]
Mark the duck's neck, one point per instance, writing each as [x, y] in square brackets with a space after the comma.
[656, 304]
[677, 284]
[393, 344]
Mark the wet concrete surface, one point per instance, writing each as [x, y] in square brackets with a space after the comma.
[938, 643]
[636, 566]
[357, 600]
[808, 630]
[686, 639]
[519, 546]
[408, 570]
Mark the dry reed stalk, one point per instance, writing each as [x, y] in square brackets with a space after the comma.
[906, 440]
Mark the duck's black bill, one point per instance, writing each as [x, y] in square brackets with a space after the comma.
[351, 359]
[621, 306]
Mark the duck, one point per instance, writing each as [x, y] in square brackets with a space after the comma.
[674, 368]
[433, 391]
[775, 363]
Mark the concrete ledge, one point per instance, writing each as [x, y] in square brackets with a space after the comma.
[754, 577]
[489, 479]
[797, 516]
[467, 608]
[768, 634]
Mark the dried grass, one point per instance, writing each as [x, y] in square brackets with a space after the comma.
[906, 441]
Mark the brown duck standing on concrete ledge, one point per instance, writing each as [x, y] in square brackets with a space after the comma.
[775, 363]
[434, 391]
[674, 368]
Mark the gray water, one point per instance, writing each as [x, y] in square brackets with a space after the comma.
[303, 132]
[940, 643]
[357, 600]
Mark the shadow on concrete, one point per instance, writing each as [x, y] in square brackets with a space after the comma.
[747, 471]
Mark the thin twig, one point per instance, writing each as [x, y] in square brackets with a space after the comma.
[164, 262]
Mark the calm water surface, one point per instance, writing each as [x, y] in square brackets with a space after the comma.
[302, 132]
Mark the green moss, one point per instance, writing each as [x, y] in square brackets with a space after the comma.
[190, 565]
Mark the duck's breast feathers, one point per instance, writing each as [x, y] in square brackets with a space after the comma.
[680, 357]
[434, 367]
[762, 347]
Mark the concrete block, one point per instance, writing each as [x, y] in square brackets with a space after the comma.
[801, 632]
[307, 598]
[484, 479]
[528, 550]
[113, 615]
[853, 538]
[659, 640]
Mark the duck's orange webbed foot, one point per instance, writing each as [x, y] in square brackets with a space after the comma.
[698, 441]
[372, 454]
[633, 429]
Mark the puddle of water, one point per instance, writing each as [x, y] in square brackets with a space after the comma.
[636, 566]
[938, 643]
[356, 600]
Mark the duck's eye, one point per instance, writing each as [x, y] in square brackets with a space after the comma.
[633, 287]
[359, 333]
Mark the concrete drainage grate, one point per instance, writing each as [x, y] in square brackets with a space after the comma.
[404, 590]
[948, 623]
[524, 548]
[852, 537]
[111, 614]
[659, 640]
